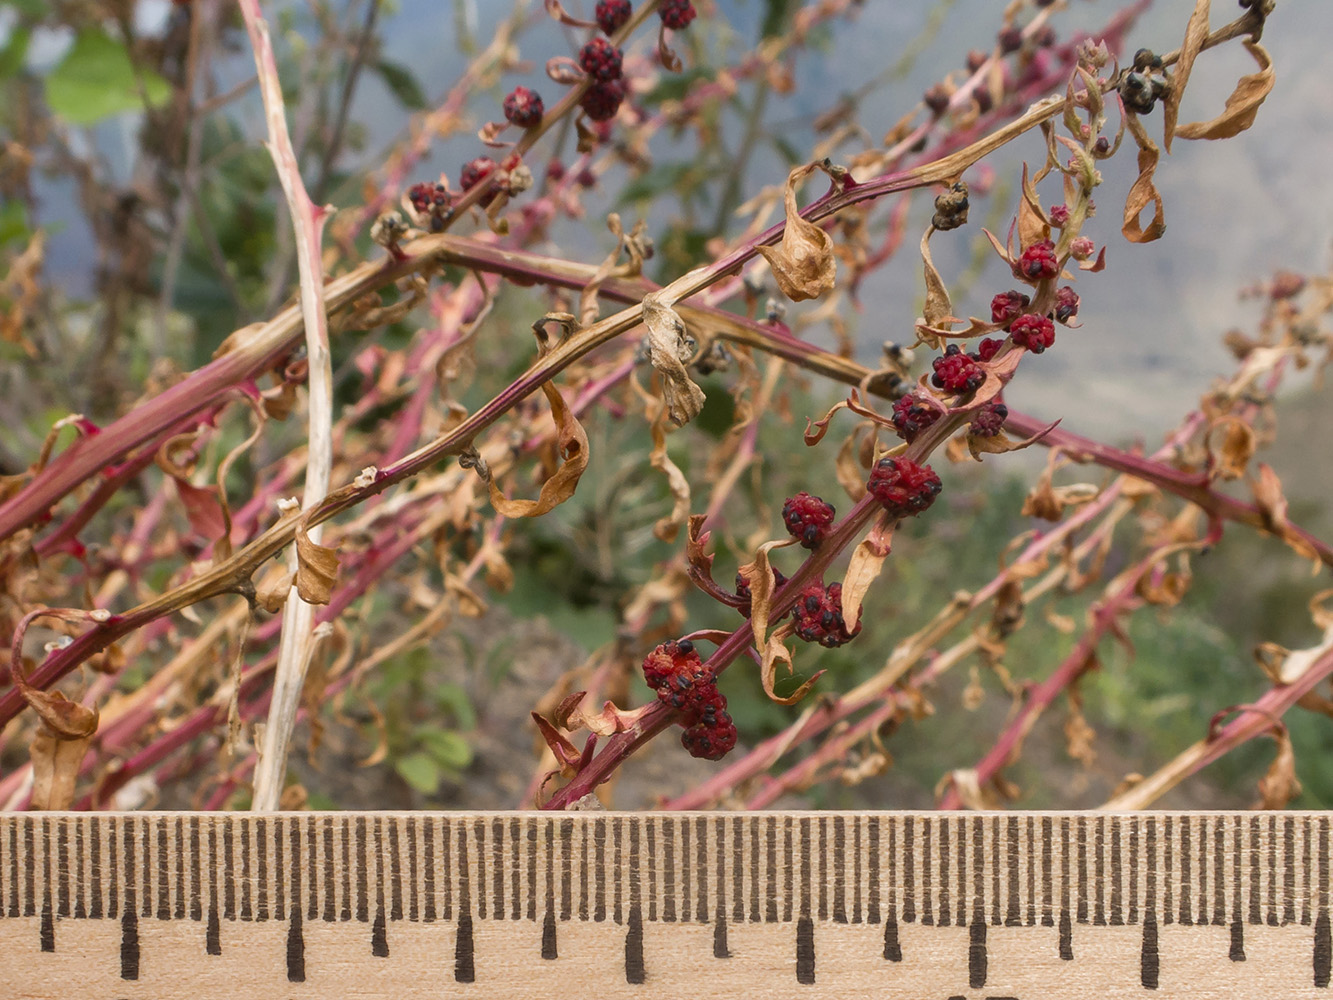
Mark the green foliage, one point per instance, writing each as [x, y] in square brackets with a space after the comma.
[96, 79]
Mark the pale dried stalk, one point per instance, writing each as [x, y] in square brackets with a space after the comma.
[298, 617]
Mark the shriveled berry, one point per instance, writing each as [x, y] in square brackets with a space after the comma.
[743, 590]
[937, 99]
[976, 59]
[677, 14]
[602, 100]
[1059, 215]
[989, 420]
[956, 372]
[1008, 306]
[1010, 39]
[524, 108]
[903, 487]
[1066, 304]
[1037, 262]
[1034, 332]
[808, 518]
[912, 415]
[819, 616]
[611, 15]
[600, 59]
[429, 199]
[987, 348]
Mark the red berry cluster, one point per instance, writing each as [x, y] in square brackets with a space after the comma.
[611, 15]
[676, 671]
[602, 100]
[903, 487]
[1034, 332]
[956, 371]
[912, 415]
[677, 14]
[524, 108]
[987, 348]
[808, 518]
[1066, 304]
[989, 420]
[476, 171]
[743, 591]
[600, 60]
[1007, 307]
[1037, 262]
[819, 616]
[430, 202]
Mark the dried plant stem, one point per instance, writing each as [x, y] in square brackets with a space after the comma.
[294, 647]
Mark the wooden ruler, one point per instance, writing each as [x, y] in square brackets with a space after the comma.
[930, 906]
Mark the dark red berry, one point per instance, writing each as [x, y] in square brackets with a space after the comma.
[912, 415]
[689, 687]
[1066, 304]
[988, 348]
[710, 741]
[555, 171]
[903, 487]
[1102, 146]
[1059, 215]
[1037, 262]
[976, 59]
[819, 616]
[1008, 306]
[476, 171]
[677, 14]
[600, 60]
[1034, 332]
[808, 518]
[743, 590]
[611, 15]
[989, 420]
[602, 100]
[937, 99]
[1010, 39]
[524, 108]
[956, 372]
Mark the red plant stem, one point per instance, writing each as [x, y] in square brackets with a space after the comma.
[1106, 616]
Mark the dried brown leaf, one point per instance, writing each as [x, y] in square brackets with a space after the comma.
[668, 350]
[775, 651]
[1032, 224]
[803, 264]
[316, 568]
[1196, 33]
[1279, 785]
[865, 565]
[1273, 504]
[55, 767]
[573, 450]
[1232, 453]
[938, 310]
[1144, 192]
[1243, 104]
[669, 526]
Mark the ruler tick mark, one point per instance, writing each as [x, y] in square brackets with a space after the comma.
[634, 969]
[465, 970]
[1237, 952]
[976, 952]
[1149, 959]
[129, 944]
[213, 936]
[805, 951]
[295, 949]
[549, 951]
[1323, 950]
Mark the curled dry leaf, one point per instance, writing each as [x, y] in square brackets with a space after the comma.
[865, 565]
[775, 651]
[1273, 504]
[1279, 785]
[55, 766]
[571, 715]
[573, 448]
[1196, 33]
[803, 264]
[1234, 447]
[759, 575]
[1243, 104]
[1144, 192]
[316, 568]
[668, 351]
[271, 592]
[999, 444]
[1032, 224]
[1049, 502]
[938, 309]
[669, 526]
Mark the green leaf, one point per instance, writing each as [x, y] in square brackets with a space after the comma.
[420, 771]
[11, 57]
[448, 749]
[400, 80]
[33, 8]
[13, 222]
[96, 80]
